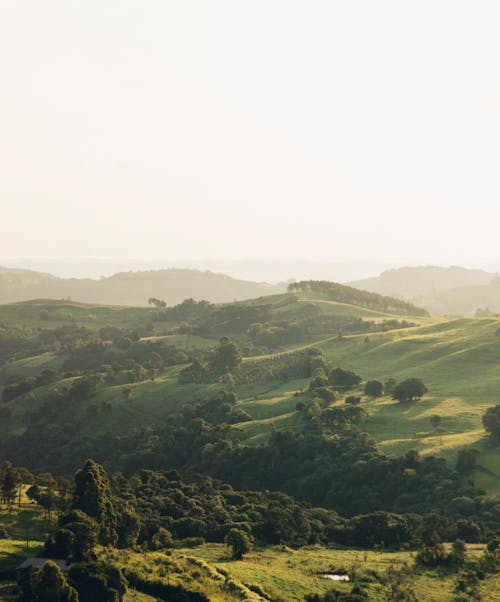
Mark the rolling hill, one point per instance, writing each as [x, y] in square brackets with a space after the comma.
[445, 291]
[458, 359]
[410, 282]
[131, 288]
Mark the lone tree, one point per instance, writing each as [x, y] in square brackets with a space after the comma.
[410, 389]
[491, 422]
[156, 302]
[374, 388]
[239, 542]
[436, 421]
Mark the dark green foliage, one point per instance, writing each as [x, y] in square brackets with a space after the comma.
[285, 523]
[161, 539]
[225, 358]
[469, 530]
[374, 388]
[96, 581]
[348, 294]
[319, 379]
[93, 496]
[380, 528]
[410, 389]
[46, 585]
[239, 542]
[491, 422]
[353, 400]
[493, 545]
[14, 389]
[280, 367]
[344, 379]
[162, 591]
[128, 527]
[75, 538]
[390, 385]
[432, 556]
[467, 460]
[10, 480]
[355, 595]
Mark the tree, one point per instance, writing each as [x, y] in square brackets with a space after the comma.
[46, 585]
[458, 551]
[344, 379]
[319, 379]
[466, 460]
[435, 421]
[93, 496]
[10, 481]
[491, 422]
[226, 357]
[98, 582]
[410, 389]
[75, 538]
[353, 400]
[239, 542]
[390, 385]
[128, 527]
[158, 303]
[374, 388]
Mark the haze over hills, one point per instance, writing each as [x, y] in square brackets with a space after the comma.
[259, 270]
[441, 290]
[131, 288]
[423, 280]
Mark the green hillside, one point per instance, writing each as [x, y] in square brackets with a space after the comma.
[457, 359]
[206, 418]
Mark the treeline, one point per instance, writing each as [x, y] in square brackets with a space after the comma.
[332, 464]
[347, 294]
[160, 510]
[111, 355]
[225, 364]
[265, 325]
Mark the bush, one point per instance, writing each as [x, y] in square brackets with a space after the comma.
[410, 389]
[374, 388]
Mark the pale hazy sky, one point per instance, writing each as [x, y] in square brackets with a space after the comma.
[336, 130]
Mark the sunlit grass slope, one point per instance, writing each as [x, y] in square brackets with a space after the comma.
[285, 574]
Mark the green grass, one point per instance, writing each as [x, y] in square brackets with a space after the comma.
[291, 574]
[49, 314]
[27, 529]
[458, 360]
[30, 366]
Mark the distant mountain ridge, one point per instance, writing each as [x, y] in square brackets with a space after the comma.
[416, 281]
[452, 290]
[132, 288]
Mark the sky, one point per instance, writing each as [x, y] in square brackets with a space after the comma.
[276, 129]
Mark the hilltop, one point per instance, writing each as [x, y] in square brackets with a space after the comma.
[413, 282]
[131, 288]
[445, 291]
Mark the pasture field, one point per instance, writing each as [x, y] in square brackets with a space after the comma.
[280, 573]
[459, 360]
